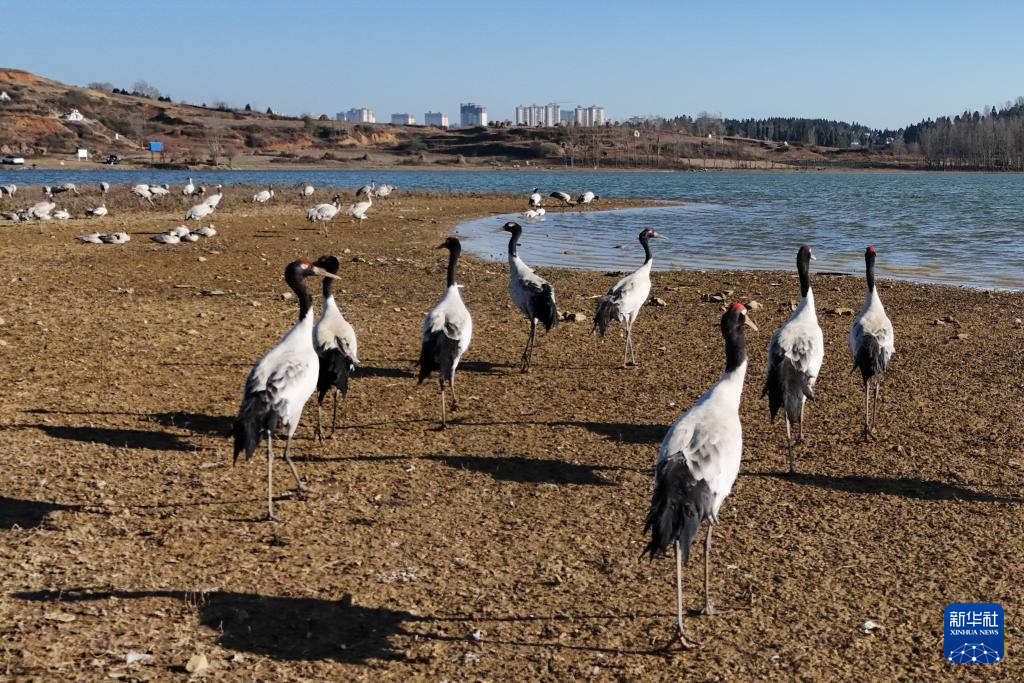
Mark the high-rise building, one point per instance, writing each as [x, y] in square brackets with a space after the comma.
[536, 115]
[567, 117]
[435, 118]
[356, 115]
[472, 114]
[589, 116]
[403, 120]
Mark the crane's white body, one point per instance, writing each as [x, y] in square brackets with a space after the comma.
[143, 191]
[97, 212]
[800, 340]
[632, 292]
[586, 198]
[384, 191]
[359, 209]
[332, 331]
[199, 212]
[873, 321]
[451, 318]
[205, 231]
[535, 199]
[323, 212]
[9, 190]
[91, 238]
[104, 187]
[115, 238]
[523, 285]
[263, 196]
[62, 214]
[159, 190]
[189, 188]
[40, 211]
[213, 201]
[288, 372]
[166, 238]
[308, 191]
[709, 437]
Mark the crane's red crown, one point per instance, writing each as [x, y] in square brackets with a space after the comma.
[738, 307]
[871, 250]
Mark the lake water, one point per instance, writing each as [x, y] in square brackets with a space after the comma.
[951, 228]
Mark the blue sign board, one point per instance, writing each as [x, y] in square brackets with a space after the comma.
[156, 146]
[974, 633]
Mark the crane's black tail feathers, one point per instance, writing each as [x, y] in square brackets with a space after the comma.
[255, 417]
[870, 358]
[679, 504]
[607, 310]
[544, 308]
[335, 369]
[438, 353]
[786, 386]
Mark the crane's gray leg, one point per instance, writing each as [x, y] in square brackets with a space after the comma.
[708, 609]
[444, 420]
[455, 397]
[270, 479]
[867, 410]
[334, 415]
[874, 408]
[318, 433]
[683, 638]
[789, 445]
[800, 425]
[288, 459]
[524, 364]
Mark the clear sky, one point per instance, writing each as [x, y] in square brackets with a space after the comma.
[883, 64]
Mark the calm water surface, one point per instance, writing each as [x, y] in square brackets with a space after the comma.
[951, 228]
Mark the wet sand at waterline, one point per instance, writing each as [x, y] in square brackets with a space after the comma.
[522, 522]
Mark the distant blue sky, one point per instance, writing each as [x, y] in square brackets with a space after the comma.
[878, 63]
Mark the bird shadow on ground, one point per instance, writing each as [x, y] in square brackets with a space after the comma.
[484, 367]
[620, 431]
[118, 438]
[27, 514]
[199, 423]
[526, 470]
[905, 487]
[371, 371]
[279, 627]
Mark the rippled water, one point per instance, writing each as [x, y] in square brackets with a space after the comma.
[953, 228]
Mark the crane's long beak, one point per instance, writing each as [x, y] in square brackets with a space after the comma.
[658, 234]
[750, 323]
[323, 273]
[813, 257]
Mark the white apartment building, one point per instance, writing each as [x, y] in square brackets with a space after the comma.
[537, 115]
[435, 118]
[403, 120]
[472, 114]
[356, 115]
[589, 116]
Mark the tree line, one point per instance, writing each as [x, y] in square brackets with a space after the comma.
[991, 139]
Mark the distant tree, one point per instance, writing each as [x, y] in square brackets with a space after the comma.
[269, 110]
[144, 89]
[102, 85]
[248, 107]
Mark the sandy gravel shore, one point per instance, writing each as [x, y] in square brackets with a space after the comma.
[506, 547]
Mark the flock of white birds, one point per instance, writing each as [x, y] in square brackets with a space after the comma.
[47, 209]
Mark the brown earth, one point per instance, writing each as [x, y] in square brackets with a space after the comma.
[124, 527]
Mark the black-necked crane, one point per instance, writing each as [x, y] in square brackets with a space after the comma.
[795, 354]
[307, 191]
[263, 196]
[40, 211]
[104, 187]
[337, 348]
[359, 209]
[872, 343]
[9, 190]
[116, 238]
[624, 301]
[367, 190]
[565, 198]
[281, 382]
[159, 190]
[697, 465]
[447, 331]
[142, 190]
[97, 212]
[324, 212]
[586, 198]
[189, 188]
[384, 191]
[530, 293]
[62, 214]
[199, 212]
[213, 201]
[535, 199]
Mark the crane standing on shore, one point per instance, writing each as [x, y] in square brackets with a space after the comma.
[530, 293]
[872, 343]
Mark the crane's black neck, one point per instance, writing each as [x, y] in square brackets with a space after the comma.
[453, 260]
[869, 268]
[735, 341]
[803, 266]
[644, 241]
[513, 241]
[295, 278]
[328, 286]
